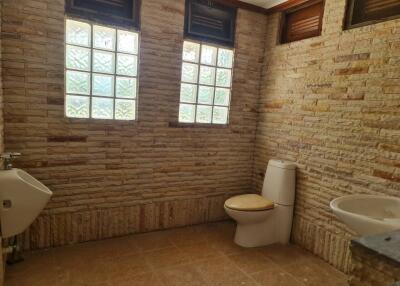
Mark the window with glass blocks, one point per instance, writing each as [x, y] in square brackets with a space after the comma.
[205, 83]
[101, 69]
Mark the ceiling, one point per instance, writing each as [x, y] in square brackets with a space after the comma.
[264, 3]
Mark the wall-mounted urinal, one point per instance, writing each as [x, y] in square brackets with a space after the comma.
[22, 198]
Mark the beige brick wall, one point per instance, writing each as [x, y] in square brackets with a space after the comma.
[110, 178]
[1, 143]
[1, 100]
[332, 104]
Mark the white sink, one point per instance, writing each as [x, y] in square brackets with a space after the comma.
[22, 198]
[368, 214]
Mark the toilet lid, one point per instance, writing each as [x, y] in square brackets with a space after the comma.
[250, 202]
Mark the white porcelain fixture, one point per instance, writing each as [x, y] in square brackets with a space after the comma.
[368, 214]
[22, 198]
[266, 219]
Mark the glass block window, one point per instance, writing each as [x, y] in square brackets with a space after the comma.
[205, 83]
[101, 72]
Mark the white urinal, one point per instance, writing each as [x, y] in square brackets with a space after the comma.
[22, 199]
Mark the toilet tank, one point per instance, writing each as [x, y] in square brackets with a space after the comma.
[280, 182]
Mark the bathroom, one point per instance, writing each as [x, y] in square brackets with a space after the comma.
[142, 168]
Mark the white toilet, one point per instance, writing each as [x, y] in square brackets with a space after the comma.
[266, 219]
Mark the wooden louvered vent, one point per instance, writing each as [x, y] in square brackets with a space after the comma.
[210, 21]
[364, 12]
[303, 22]
[124, 13]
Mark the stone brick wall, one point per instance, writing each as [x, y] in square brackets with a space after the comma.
[332, 104]
[1, 143]
[371, 269]
[111, 178]
[1, 102]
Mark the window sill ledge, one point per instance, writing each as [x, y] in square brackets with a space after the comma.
[197, 125]
[101, 121]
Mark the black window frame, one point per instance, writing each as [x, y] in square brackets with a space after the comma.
[229, 14]
[104, 17]
[351, 6]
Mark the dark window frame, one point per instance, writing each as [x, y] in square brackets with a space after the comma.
[105, 18]
[285, 13]
[197, 36]
[350, 4]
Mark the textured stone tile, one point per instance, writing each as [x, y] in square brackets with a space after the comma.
[252, 261]
[244, 281]
[181, 276]
[196, 263]
[166, 257]
[285, 254]
[312, 273]
[200, 251]
[219, 270]
[187, 236]
[275, 277]
[152, 241]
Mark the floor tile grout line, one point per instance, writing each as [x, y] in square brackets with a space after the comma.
[217, 239]
[244, 272]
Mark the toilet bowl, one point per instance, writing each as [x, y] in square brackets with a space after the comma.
[267, 218]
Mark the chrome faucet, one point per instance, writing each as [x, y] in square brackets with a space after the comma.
[8, 159]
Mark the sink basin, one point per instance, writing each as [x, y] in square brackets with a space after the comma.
[368, 214]
[22, 198]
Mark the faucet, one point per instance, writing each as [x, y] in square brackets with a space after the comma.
[8, 158]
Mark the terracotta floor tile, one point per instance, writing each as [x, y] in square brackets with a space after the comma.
[221, 230]
[200, 255]
[152, 241]
[285, 254]
[200, 251]
[184, 275]
[126, 267]
[219, 270]
[70, 253]
[333, 272]
[275, 277]
[116, 247]
[74, 256]
[228, 247]
[149, 279]
[187, 236]
[34, 262]
[244, 281]
[89, 273]
[166, 257]
[39, 279]
[313, 274]
[251, 262]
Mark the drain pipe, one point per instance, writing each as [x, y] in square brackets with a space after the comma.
[8, 249]
[15, 252]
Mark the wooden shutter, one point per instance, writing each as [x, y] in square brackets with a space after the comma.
[302, 22]
[209, 21]
[364, 12]
[123, 13]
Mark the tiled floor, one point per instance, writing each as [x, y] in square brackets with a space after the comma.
[199, 255]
